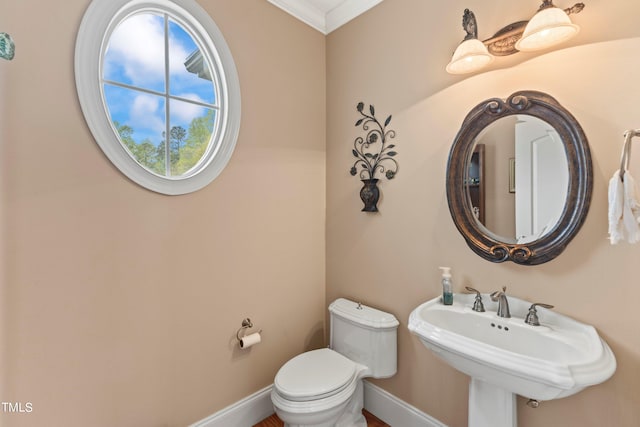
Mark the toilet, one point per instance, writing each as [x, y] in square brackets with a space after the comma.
[323, 388]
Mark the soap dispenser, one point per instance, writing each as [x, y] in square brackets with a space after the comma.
[447, 288]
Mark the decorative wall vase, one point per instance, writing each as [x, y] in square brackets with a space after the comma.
[370, 195]
[373, 154]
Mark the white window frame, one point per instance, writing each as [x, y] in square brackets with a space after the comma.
[98, 23]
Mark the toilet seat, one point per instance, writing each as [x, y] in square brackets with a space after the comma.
[314, 375]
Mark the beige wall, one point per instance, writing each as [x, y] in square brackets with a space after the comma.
[120, 306]
[394, 57]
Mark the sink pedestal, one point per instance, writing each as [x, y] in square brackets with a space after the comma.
[491, 406]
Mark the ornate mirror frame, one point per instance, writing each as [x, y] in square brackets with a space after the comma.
[580, 184]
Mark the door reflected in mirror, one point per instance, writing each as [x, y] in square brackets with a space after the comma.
[522, 190]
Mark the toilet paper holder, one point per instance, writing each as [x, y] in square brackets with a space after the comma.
[246, 324]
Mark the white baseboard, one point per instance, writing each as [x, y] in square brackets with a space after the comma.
[244, 413]
[255, 408]
[393, 411]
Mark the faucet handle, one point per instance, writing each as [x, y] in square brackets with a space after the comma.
[495, 295]
[540, 304]
[532, 316]
[477, 304]
[470, 289]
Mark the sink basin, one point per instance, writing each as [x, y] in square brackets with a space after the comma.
[556, 359]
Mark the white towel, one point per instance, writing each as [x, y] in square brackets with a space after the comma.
[631, 209]
[624, 209]
[616, 203]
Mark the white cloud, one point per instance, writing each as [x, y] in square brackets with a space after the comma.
[137, 45]
[184, 112]
[147, 113]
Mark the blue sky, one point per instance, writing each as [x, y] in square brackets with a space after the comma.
[135, 56]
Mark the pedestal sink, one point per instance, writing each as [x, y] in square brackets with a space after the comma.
[505, 356]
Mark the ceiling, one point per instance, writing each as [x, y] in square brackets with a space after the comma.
[325, 15]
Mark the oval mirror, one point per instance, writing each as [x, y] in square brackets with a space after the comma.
[519, 178]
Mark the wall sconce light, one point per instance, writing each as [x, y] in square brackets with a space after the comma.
[548, 27]
[471, 54]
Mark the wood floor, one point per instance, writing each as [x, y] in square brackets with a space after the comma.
[274, 421]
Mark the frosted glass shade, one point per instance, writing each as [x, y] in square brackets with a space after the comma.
[471, 55]
[548, 27]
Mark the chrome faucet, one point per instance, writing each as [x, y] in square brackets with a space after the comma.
[503, 302]
[532, 316]
[477, 304]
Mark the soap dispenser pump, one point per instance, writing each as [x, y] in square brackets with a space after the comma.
[447, 287]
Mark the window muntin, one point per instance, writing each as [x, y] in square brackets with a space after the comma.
[168, 89]
[145, 63]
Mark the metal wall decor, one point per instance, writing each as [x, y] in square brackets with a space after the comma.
[373, 154]
[7, 47]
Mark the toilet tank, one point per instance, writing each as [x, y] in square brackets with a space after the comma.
[365, 335]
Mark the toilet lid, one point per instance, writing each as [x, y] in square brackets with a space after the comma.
[314, 375]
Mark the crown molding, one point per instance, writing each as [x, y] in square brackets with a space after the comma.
[325, 21]
[346, 11]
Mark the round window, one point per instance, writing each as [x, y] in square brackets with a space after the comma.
[159, 90]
